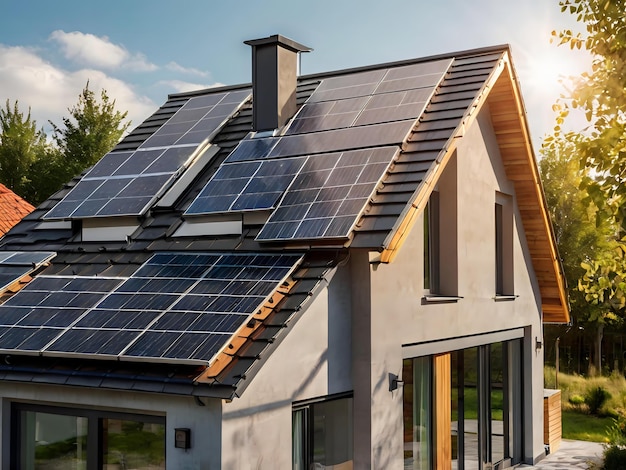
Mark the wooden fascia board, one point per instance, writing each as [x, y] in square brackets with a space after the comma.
[514, 142]
[411, 213]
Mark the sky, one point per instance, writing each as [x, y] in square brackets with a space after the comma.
[139, 51]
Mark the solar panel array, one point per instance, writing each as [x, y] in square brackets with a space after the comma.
[14, 265]
[176, 307]
[328, 195]
[319, 176]
[127, 183]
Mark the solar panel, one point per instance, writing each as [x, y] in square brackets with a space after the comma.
[198, 119]
[328, 195]
[14, 265]
[245, 186]
[375, 108]
[252, 149]
[46, 307]
[176, 307]
[123, 183]
[127, 183]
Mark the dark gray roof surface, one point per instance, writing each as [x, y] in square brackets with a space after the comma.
[429, 137]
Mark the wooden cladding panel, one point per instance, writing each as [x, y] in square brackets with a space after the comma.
[552, 420]
[443, 411]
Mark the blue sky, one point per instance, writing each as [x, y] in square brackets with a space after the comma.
[141, 50]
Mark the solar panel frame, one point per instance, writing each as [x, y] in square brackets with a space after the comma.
[14, 265]
[155, 165]
[330, 208]
[198, 120]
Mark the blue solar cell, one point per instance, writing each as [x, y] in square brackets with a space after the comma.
[252, 149]
[246, 186]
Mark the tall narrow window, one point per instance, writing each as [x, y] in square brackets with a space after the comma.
[503, 215]
[322, 434]
[417, 406]
[431, 244]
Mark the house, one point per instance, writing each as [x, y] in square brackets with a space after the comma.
[341, 270]
[12, 209]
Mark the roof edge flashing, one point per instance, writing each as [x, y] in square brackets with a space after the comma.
[280, 40]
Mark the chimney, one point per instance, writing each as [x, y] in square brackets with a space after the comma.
[274, 79]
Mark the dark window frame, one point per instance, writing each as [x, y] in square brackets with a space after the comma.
[304, 407]
[94, 418]
[432, 255]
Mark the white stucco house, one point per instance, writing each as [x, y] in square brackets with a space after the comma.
[342, 270]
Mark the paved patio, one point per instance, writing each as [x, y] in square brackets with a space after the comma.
[571, 454]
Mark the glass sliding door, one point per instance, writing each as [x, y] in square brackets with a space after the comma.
[417, 400]
[498, 409]
[486, 406]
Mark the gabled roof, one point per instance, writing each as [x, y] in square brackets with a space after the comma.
[379, 135]
[12, 209]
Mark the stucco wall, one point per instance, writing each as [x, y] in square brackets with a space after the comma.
[398, 315]
[311, 362]
[179, 412]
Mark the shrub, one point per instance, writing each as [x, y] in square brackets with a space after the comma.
[614, 458]
[595, 398]
[577, 400]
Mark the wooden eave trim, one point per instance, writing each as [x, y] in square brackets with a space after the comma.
[411, 213]
[241, 337]
[512, 133]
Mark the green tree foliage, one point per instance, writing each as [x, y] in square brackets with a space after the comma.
[580, 240]
[601, 95]
[34, 168]
[21, 146]
[93, 129]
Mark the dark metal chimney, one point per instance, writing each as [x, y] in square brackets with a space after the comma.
[274, 79]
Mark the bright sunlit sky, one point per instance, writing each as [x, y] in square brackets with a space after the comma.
[141, 50]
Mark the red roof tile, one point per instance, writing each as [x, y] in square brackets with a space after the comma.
[12, 209]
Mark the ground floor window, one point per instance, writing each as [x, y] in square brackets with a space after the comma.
[48, 438]
[322, 434]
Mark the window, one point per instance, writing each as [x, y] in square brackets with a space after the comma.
[50, 437]
[441, 239]
[322, 434]
[504, 245]
[431, 244]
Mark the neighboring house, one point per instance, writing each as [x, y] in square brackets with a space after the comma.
[12, 209]
[341, 270]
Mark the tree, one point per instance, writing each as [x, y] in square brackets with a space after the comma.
[93, 129]
[21, 145]
[601, 147]
[580, 241]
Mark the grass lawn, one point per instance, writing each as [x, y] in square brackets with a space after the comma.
[584, 427]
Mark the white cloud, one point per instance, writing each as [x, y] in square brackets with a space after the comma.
[49, 90]
[182, 86]
[91, 50]
[174, 67]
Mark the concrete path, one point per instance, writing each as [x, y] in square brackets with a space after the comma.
[571, 454]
